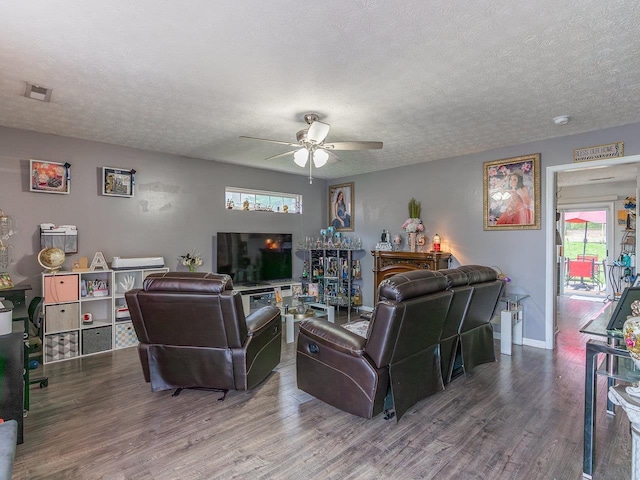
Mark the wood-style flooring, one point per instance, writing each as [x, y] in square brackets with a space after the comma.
[518, 418]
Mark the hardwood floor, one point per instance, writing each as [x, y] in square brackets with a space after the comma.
[518, 418]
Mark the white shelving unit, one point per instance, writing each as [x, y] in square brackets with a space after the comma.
[71, 297]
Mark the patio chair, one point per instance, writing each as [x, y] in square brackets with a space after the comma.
[584, 270]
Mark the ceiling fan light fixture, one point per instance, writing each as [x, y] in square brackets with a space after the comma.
[300, 157]
[317, 132]
[320, 158]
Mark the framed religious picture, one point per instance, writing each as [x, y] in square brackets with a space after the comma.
[117, 182]
[512, 193]
[341, 207]
[49, 177]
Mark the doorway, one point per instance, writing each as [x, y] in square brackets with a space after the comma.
[552, 272]
[584, 252]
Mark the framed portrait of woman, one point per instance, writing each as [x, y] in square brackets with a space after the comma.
[512, 193]
[341, 207]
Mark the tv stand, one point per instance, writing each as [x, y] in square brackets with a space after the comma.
[260, 293]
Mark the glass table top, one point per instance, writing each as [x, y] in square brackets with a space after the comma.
[514, 297]
[598, 326]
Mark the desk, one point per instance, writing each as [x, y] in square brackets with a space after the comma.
[17, 296]
[617, 366]
[511, 319]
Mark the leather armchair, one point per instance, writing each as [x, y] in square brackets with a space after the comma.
[399, 357]
[193, 333]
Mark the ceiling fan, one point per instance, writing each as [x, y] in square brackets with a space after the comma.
[311, 145]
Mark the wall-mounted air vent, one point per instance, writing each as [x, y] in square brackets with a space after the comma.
[37, 92]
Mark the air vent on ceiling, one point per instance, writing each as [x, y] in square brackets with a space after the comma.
[37, 92]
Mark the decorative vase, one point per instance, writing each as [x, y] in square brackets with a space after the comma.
[192, 268]
[412, 241]
[631, 332]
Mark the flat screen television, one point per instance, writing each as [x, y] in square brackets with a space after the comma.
[255, 258]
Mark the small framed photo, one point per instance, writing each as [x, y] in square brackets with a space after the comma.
[118, 182]
[49, 177]
[341, 207]
[512, 193]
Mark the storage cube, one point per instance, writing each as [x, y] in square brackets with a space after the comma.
[125, 335]
[61, 288]
[60, 346]
[61, 317]
[96, 340]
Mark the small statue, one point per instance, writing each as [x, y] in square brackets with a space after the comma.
[357, 297]
[245, 205]
[285, 208]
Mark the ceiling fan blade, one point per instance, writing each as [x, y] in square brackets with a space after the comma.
[353, 145]
[280, 155]
[271, 141]
[333, 157]
[318, 131]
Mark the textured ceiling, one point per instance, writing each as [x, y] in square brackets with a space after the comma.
[430, 79]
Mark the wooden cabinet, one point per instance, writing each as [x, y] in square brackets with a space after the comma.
[387, 264]
[83, 312]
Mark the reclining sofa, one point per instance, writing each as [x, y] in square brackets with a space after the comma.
[193, 333]
[423, 323]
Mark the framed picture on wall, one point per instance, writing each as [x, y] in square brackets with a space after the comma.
[49, 177]
[118, 182]
[341, 207]
[512, 193]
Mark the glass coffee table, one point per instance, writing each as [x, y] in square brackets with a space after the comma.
[314, 310]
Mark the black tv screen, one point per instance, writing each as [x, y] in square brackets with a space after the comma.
[255, 258]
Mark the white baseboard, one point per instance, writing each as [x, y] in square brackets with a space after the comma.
[529, 342]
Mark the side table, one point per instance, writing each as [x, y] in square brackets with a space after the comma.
[631, 406]
[318, 309]
[511, 320]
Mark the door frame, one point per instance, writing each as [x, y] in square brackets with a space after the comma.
[550, 225]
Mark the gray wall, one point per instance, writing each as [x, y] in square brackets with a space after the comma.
[179, 206]
[451, 194]
[178, 203]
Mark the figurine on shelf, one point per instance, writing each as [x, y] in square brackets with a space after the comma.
[357, 272]
[357, 297]
[397, 241]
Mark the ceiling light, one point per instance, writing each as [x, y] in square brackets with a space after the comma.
[320, 158]
[37, 92]
[300, 157]
[561, 120]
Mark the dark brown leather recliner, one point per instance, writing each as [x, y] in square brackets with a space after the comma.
[400, 355]
[476, 330]
[193, 333]
[458, 283]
